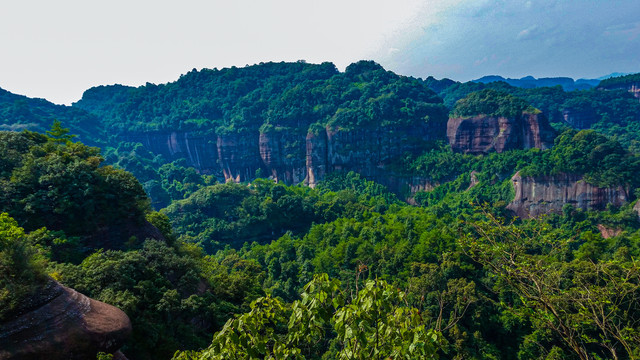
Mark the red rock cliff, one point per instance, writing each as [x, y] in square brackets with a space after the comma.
[366, 151]
[547, 194]
[292, 156]
[483, 134]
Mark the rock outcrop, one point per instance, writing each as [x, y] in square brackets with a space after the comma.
[61, 323]
[483, 134]
[547, 194]
[282, 155]
[200, 151]
[293, 156]
[366, 151]
[579, 118]
[632, 87]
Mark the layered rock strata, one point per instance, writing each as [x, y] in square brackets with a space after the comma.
[549, 194]
[483, 134]
[63, 324]
[200, 151]
[293, 156]
[579, 119]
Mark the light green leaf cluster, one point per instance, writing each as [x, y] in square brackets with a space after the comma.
[375, 324]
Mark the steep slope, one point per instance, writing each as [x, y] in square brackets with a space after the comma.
[19, 112]
[535, 196]
[265, 120]
[494, 121]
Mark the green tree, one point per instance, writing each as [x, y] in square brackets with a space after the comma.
[58, 134]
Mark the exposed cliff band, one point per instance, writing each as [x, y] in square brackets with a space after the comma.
[549, 194]
[482, 134]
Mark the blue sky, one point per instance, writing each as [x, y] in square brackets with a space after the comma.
[58, 49]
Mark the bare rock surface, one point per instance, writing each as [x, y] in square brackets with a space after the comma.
[63, 324]
[549, 194]
[483, 134]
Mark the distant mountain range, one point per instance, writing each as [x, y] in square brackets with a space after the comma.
[529, 82]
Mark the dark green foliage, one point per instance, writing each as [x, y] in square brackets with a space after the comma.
[19, 113]
[63, 187]
[491, 103]
[174, 296]
[289, 96]
[602, 160]
[235, 214]
[619, 81]
[21, 267]
[591, 305]
[375, 323]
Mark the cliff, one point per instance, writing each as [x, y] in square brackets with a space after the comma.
[482, 134]
[291, 156]
[579, 118]
[630, 86]
[61, 323]
[547, 194]
[199, 150]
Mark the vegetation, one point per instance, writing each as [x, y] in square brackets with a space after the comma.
[341, 271]
[289, 96]
[491, 103]
[21, 267]
[619, 80]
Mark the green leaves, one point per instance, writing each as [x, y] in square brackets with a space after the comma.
[591, 306]
[375, 324]
[58, 134]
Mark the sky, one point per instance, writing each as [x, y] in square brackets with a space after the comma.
[58, 49]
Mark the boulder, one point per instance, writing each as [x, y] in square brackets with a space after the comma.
[61, 324]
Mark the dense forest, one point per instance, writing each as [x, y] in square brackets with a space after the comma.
[207, 268]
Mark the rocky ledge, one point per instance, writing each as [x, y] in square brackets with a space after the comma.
[63, 324]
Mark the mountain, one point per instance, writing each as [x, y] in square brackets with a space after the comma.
[529, 82]
[519, 221]
[18, 112]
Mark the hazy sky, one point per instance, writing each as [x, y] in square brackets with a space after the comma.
[58, 49]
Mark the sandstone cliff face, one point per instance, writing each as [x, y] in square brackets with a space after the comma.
[368, 152]
[283, 156]
[483, 134]
[293, 157]
[63, 324]
[547, 194]
[579, 119]
[200, 151]
[239, 155]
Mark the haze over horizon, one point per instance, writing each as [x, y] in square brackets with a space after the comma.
[56, 50]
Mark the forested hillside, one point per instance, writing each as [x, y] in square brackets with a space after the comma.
[444, 220]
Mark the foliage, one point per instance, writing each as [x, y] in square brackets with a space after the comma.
[619, 80]
[174, 296]
[375, 324]
[491, 103]
[19, 113]
[592, 306]
[62, 186]
[288, 95]
[261, 211]
[21, 267]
